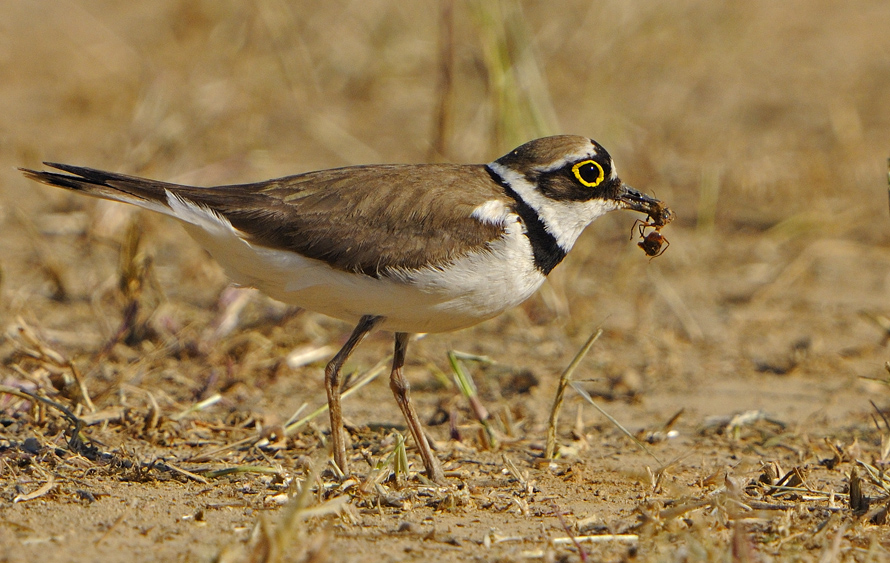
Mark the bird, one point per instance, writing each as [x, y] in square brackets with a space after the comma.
[405, 248]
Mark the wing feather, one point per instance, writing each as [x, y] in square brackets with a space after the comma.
[361, 219]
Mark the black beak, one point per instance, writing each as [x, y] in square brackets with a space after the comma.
[629, 198]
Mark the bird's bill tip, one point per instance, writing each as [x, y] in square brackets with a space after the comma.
[629, 198]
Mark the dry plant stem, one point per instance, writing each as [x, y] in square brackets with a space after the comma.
[333, 384]
[568, 531]
[184, 473]
[81, 386]
[47, 261]
[111, 528]
[438, 149]
[75, 441]
[831, 552]
[401, 389]
[366, 378]
[292, 427]
[561, 390]
[468, 389]
[632, 538]
[580, 390]
[39, 350]
[47, 487]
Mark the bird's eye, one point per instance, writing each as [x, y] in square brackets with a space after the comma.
[589, 173]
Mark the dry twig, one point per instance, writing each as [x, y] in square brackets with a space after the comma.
[564, 380]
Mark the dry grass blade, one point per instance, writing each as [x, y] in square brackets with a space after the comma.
[241, 469]
[400, 460]
[380, 471]
[110, 414]
[49, 263]
[562, 522]
[812, 494]
[564, 380]
[466, 356]
[232, 301]
[76, 440]
[363, 380]
[306, 355]
[211, 454]
[832, 551]
[878, 477]
[82, 387]
[184, 473]
[111, 528]
[792, 479]
[617, 424]
[47, 487]
[631, 538]
[199, 406]
[464, 382]
[445, 90]
[520, 102]
[29, 343]
[514, 471]
[273, 546]
[293, 418]
[882, 415]
[683, 508]
[292, 427]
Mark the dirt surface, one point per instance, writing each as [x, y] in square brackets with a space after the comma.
[748, 358]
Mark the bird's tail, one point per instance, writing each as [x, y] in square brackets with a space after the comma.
[142, 192]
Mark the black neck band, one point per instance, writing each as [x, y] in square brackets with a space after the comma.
[546, 250]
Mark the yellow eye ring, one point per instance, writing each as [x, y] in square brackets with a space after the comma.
[589, 173]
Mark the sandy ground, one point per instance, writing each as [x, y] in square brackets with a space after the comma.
[749, 358]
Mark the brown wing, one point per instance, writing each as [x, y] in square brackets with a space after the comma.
[361, 219]
[369, 218]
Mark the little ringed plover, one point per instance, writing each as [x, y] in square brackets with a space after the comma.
[406, 248]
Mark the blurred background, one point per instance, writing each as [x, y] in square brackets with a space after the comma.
[764, 125]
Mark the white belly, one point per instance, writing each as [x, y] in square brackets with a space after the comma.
[472, 289]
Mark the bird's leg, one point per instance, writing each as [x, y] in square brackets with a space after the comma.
[401, 389]
[332, 385]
